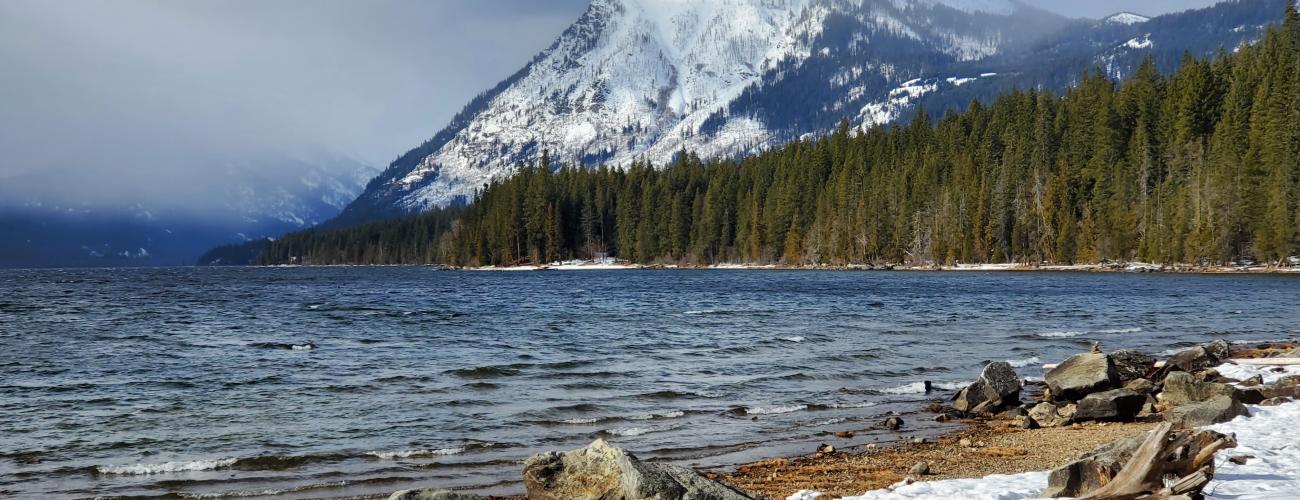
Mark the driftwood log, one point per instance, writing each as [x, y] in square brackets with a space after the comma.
[1186, 458]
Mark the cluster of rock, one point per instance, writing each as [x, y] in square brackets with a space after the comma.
[1127, 386]
[1186, 392]
[602, 471]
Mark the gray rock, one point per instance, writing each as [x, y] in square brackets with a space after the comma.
[1285, 387]
[601, 472]
[1182, 388]
[1214, 411]
[1048, 415]
[1132, 365]
[1255, 381]
[893, 423]
[998, 387]
[432, 495]
[1190, 360]
[1092, 470]
[1220, 349]
[1081, 375]
[920, 469]
[1141, 386]
[1115, 404]
[1274, 401]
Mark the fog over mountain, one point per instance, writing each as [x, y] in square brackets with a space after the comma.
[242, 118]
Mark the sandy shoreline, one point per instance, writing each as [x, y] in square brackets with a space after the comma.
[983, 448]
[992, 447]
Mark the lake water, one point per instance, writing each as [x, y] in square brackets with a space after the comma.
[318, 382]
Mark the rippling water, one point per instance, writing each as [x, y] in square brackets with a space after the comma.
[358, 381]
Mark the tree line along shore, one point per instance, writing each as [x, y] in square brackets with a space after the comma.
[1199, 167]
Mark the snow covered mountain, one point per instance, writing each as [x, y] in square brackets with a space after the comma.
[642, 80]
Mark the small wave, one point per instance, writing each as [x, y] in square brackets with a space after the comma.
[637, 431]
[390, 455]
[282, 346]
[795, 339]
[166, 467]
[484, 372]
[919, 387]
[654, 416]
[832, 421]
[1021, 363]
[671, 394]
[1061, 335]
[581, 421]
[768, 410]
[1121, 330]
[701, 311]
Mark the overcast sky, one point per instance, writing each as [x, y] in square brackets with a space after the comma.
[162, 87]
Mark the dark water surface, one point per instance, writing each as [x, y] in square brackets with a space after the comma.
[354, 381]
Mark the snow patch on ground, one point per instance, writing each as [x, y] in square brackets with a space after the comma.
[1268, 434]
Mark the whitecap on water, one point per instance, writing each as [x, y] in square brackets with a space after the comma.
[166, 467]
[919, 387]
[1021, 363]
[774, 410]
[794, 339]
[637, 431]
[389, 455]
[1061, 335]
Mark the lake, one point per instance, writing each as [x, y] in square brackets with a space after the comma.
[311, 382]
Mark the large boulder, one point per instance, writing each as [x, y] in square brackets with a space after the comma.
[1181, 388]
[1132, 365]
[1081, 375]
[998, 387]
[432, 495]
[1115, 404]
[1093, 470]
[604, 472]
[1213, 411]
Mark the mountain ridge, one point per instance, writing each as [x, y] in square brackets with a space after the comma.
[619, 87]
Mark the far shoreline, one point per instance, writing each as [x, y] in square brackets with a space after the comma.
[1109, 268]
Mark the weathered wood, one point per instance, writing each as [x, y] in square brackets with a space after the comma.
[1144, 473]
[1185, 456]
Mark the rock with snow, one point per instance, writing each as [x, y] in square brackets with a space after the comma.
[1181, 388]
[1212, 411]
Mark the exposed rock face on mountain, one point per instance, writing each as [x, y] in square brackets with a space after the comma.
[642, 80]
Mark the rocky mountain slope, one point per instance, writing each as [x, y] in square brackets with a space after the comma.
[642, 80]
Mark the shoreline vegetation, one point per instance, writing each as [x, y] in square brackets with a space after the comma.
[1131, 267]
[1197, 166]
[1073, 433]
